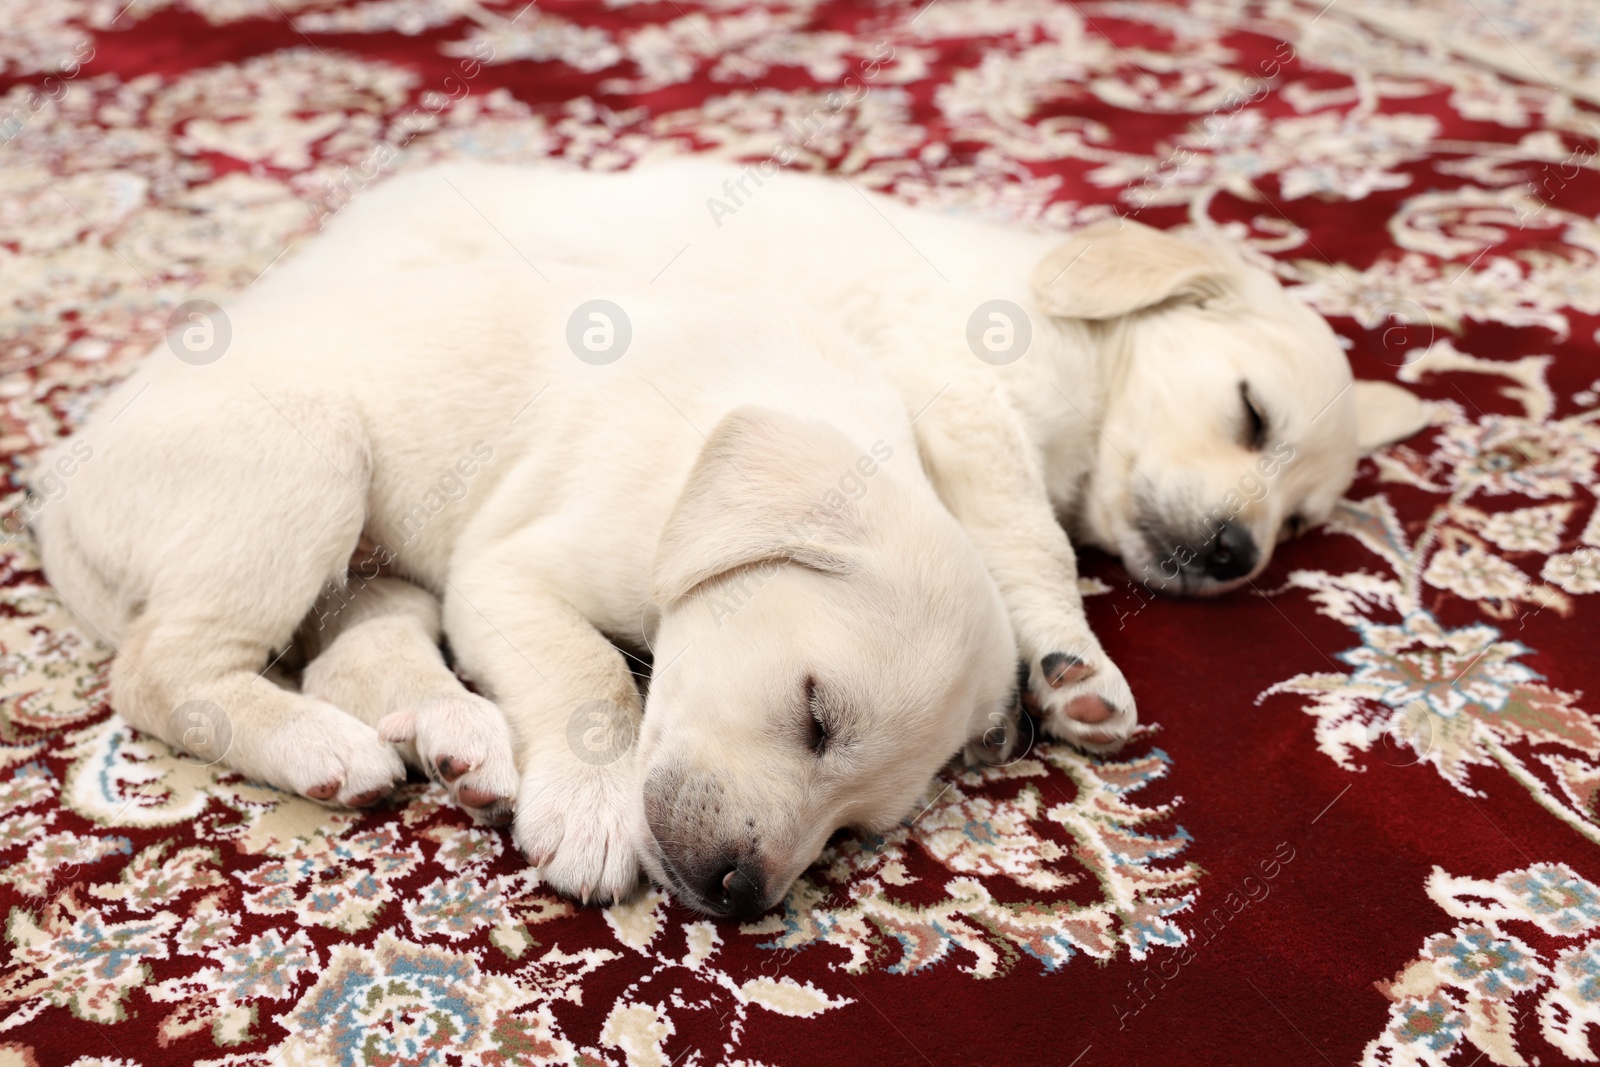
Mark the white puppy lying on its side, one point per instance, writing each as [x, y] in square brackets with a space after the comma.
[1150, 394]
[1161, 398]
[727, 458]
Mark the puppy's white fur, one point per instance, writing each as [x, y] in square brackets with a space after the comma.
[739, 492]
[1122, 423]
[1125, 421]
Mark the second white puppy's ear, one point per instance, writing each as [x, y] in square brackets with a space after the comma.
[1117, 267]
[1385, 413]
[764, 489]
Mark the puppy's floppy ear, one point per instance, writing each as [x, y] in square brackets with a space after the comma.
[763, 489]
[1385, 413]
[1118, 267]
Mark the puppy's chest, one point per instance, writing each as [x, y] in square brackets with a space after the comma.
[1066, 447]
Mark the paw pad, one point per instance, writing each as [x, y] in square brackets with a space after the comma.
[371, 796]
[1088, 708]
[478, 798]
[451, 768]
[1061, 669]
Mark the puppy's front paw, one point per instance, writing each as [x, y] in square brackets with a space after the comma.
[464, 743]
[331, 757]
[577, 823]
[1081, 696]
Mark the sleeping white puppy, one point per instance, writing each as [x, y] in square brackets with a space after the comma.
[1156, 395]
[1149, 394]
[739, 492]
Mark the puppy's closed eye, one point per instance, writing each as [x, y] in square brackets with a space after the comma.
[817, 732]
[1255, 422]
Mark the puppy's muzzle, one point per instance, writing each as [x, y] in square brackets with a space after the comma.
[1205, 562]
[729, 884]
[707, 868]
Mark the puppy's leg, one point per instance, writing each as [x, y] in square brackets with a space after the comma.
[988, 475]
[197, 682]
[375, 653]
[210, 524]
[574, 712]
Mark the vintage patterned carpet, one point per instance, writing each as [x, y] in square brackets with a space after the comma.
[1362, 825]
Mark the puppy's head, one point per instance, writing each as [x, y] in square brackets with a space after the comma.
[1231, 420]
[828, 639]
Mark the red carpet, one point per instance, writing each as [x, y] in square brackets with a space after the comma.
[1363, 825]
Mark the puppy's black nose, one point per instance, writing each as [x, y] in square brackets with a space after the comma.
[1231, 554]
[739, 893]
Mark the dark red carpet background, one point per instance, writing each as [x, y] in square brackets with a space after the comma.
[1362, 826]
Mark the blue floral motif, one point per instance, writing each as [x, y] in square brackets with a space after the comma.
[1448, 670]
[1583, 965]
[1482, 960]
[454, 907]
[401, 1003]
[266, 967]
[1434, 1022]
[1564, 901]
[107, 951]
